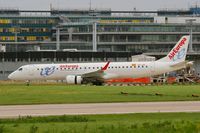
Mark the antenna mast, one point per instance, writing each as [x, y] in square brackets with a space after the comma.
[90, 8]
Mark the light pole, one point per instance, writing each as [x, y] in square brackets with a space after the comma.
[190, 23]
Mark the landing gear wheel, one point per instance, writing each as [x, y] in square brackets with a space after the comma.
[98, 83]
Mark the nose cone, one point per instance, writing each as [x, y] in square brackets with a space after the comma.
[11, 76]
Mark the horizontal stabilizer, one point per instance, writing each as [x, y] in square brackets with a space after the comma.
[183, 64]
[180, 64]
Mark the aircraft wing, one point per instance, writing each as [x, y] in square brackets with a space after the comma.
[97, 75]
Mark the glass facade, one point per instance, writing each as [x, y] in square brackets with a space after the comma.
[114, 33]
[145, 37]
[26, 28]
[127, 27]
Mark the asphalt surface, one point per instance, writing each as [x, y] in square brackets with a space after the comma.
[98, 108]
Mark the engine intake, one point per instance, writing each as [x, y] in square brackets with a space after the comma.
[72, 79]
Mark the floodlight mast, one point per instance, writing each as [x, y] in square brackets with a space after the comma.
[190, 22]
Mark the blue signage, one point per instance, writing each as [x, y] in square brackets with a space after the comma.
[47, 71]
[180, 55]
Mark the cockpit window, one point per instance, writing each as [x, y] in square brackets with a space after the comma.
[20, 69]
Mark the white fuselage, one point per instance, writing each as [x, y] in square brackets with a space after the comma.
[114, 70]
[77, 73]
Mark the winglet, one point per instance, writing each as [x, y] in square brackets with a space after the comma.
[106, 66]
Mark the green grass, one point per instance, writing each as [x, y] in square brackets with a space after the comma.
[13, 94]
[124, 123]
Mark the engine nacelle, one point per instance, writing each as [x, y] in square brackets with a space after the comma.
[73, 79]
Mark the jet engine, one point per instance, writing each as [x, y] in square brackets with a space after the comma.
[73, 79]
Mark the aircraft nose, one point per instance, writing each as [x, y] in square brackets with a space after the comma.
[11, 76]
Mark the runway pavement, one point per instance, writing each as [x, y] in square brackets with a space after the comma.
[98, 108]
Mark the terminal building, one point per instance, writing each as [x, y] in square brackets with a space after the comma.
[60, 35]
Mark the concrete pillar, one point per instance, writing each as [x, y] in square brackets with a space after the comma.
[67, 59]
[37, 47]
[190, 44]
[88, 39]
[70, 34]
[57, 39]
[190, 23]
[92, 59]
[2, 48]
[54, 57]
[113, 38]
[126, 38]
[94, 37]
[98, 38]
[112, 49]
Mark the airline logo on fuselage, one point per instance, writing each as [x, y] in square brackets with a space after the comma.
[47, 71]
[69, 66]
[177, 48]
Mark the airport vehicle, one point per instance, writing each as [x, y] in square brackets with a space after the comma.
[97, 73]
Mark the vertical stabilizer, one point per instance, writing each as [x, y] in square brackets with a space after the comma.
[178, 53]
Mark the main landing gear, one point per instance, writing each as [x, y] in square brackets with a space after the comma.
[98, 83]
[28, 82]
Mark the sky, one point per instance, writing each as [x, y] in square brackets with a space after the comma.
[100, 4]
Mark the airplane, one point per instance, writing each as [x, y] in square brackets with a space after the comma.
[98, 73]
